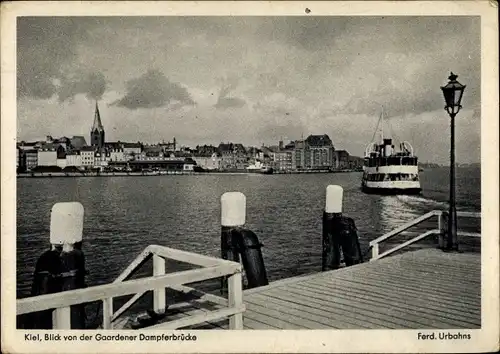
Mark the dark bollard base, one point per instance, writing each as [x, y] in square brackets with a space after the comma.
[238, 243]
[339, 235]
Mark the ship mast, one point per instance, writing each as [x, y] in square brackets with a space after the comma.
[382, 125]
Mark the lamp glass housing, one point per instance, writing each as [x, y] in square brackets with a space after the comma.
[453, 92]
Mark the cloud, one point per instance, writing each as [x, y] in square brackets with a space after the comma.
[151, 90]
[229, 102]
[93, 85]
[45, 47]
[282, 76]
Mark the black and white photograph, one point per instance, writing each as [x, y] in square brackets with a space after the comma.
[182, 175]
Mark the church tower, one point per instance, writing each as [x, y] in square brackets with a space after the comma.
[97, 131]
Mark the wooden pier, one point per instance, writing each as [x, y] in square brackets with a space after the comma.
[397, 289]
[424, 289]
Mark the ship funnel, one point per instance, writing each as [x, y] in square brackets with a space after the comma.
[387, 147]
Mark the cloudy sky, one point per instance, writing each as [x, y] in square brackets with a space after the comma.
[252, 80]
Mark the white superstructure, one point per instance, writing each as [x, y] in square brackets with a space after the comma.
[388, 170]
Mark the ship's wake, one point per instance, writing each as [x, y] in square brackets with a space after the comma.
[422, 202]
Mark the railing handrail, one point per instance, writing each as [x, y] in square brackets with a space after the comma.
[409, 242]
[404, 227]
[374, 244]
[467, 214]
[102, 292]
[418, 220]
[210, 268]
[170, 253]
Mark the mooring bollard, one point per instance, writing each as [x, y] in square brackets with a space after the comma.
[339, 233]
[62, 267]
[239, 243]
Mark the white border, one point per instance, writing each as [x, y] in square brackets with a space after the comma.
[486, 339]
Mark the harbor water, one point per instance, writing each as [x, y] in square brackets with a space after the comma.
[125, 214]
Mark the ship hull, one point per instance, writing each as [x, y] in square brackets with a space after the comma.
[261, 172]
[391, 191]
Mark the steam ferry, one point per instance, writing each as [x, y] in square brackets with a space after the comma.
[259, 167]
[388, 170]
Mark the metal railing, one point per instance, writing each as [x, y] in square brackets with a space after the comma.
[211, 268]
[440, 230]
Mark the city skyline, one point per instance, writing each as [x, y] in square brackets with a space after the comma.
[251, 80]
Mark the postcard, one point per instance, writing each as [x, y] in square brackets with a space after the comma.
[249, 177]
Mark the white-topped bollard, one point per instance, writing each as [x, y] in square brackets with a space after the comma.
[62, 267]
[66, 223]
[237, 242]
[339, 232]
[233, 209]
[334, 195]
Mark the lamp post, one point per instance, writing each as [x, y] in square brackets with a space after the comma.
[453, 92]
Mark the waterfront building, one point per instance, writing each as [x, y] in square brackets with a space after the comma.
[315, 152]
[233, 156]
[29, 159]
[356, 162]
[152, 151]
[212, 162]
[117, 155]
[155, 164]
[97, 136]
[74, 158]
[283, 160]
[341, 159]
[47, 155]
[169, 146]
[130, 150]
[28, 145]
[205, 150]
[65, 142]
[61, 163]
[87, 156]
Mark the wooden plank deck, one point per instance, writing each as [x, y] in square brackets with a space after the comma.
[423, 289]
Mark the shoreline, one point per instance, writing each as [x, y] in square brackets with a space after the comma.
[163, 173]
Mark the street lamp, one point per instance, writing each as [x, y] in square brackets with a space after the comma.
[453, 92]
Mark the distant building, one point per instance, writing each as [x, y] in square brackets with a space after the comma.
[152, 151]
[47, 155]
[155, 164]
[97, 136]
[341, 159]
[30, 159]
[130, 150]
[77, 142]
[212, 162]
[283, 160]
[74, 158]
[28, 146]
[205, 150]
[233, 156]
[316, 152]
[88, 156]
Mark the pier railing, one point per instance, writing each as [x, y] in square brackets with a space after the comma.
[440, 231]
[211, 268]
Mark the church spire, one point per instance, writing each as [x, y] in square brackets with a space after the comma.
[97, 119]
[97, 138]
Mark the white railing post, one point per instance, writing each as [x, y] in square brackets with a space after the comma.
[159, 302]
[375, 252]
[107, 313]
[235, 299]
[61, 318]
